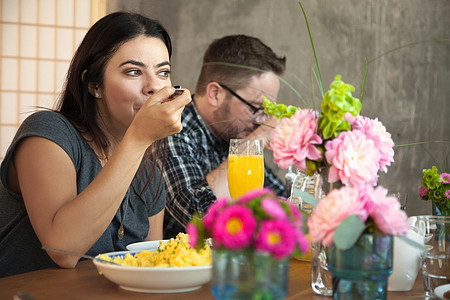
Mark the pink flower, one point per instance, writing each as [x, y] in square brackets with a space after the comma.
[212, 212]
[386, 212]
[447, 194]
[297, 216]
[250, 195]
[353, 159]
[234, 227]
[375, 130]
[277, 237]
[445, 178]
[294, 140]
[423, 191]
[192, 231]
[332, 210]
[349, 117]
[273, 208]
[302, 241]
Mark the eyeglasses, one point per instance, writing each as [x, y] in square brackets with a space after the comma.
[258, 112]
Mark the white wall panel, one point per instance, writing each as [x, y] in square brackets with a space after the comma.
[38, 40]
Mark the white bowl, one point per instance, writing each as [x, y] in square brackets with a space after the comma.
[154, 279]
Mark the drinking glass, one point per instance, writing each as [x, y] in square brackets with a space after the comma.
[436, 258]
[245, 166]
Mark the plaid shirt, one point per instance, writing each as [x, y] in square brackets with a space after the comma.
[191, 155]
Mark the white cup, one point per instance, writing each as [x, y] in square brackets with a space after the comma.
[407, 260]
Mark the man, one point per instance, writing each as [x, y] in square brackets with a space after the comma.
[237, 72]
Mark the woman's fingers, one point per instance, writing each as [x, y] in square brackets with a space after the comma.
[159, 118]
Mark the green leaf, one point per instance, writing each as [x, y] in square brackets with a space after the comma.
[305, 196]
[348, 232]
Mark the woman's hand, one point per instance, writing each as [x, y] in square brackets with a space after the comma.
[159, 118]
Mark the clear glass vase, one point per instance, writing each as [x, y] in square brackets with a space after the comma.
[362, 271]
[319, 187]
[249, 275]
[321, 281]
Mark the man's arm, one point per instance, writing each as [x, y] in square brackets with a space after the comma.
[186, 187]
[218, 180]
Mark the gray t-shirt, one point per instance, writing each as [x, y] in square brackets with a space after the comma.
[20, 249]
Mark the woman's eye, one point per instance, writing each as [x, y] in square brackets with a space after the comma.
[164, 73]
[133, 72]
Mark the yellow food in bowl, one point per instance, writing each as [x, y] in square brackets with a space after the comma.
[173, 253]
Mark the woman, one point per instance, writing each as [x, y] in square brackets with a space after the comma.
[80, 178]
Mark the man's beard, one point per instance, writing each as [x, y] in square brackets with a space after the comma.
[227, 126]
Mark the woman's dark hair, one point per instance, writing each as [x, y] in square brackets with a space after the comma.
[87, 69]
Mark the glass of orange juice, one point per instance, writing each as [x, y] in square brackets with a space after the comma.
[245, 166]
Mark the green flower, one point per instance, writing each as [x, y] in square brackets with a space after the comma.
[336, 102]
[278, 110]
[437, 194]
[431, 178]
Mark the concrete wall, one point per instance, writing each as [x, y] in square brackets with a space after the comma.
[408, 89]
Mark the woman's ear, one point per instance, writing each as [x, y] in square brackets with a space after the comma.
[214, 94]
[94, 90]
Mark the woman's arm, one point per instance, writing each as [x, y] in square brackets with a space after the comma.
[47, 180]
[156, 227]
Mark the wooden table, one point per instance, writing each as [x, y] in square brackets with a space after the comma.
[84, 282]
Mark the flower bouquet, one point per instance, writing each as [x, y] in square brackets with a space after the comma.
[436, 187]
[252, 239]
[351, 147]
[358, 225]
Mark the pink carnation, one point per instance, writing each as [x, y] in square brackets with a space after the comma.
[212, 212]
[423, 191]
[273, 208]
[375, 130]
[445, 178]
[332, 210]
[386, 212]
[234, 227]
[353, 159]
[294, 140]
[277, 237]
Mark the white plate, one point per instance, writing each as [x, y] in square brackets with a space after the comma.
[154, 279]
[149, 245]
[440, 290]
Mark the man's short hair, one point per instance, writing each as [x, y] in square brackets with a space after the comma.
[233, 60]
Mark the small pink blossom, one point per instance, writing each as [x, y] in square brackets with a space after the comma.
[302, 241]
[296, 215]
[375, 130]
[349, 118]
[255, 193]
[447, 194]
[386, 212]
[234, 227]
[353, 159]
[294, 140]
[445, 178]
[332, 210]
[192, 232]
[423, 191]
[212, 212]
[277, 237]
[273, 208]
